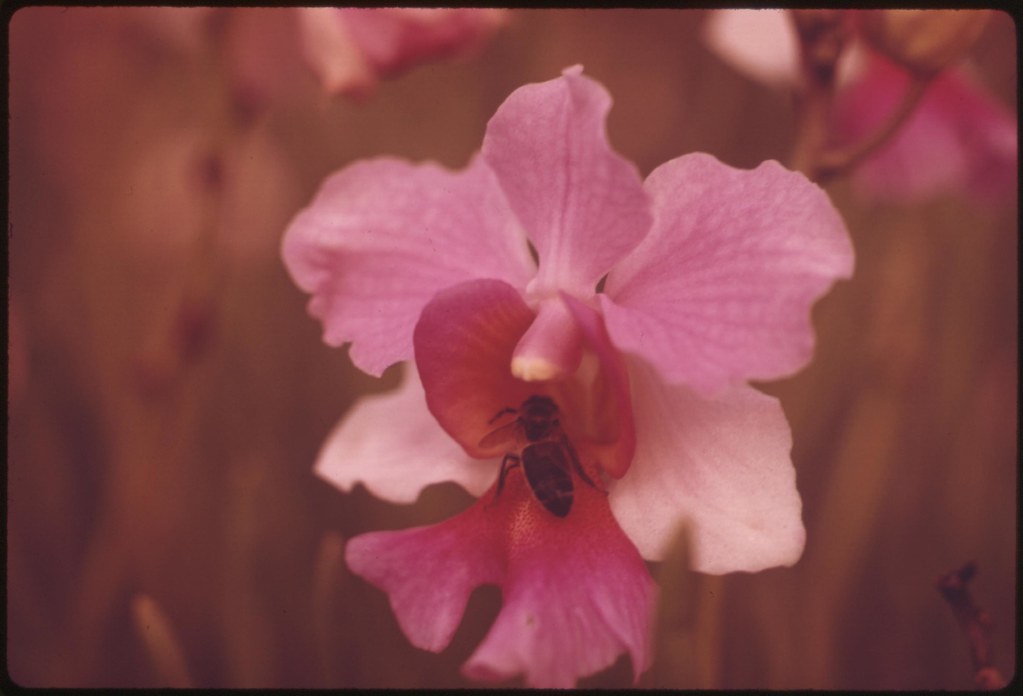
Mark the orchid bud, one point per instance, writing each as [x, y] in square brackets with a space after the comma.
[923, 41]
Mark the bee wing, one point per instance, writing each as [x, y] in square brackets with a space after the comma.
[501, 436]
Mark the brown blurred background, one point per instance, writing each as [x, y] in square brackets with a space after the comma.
[168, 392]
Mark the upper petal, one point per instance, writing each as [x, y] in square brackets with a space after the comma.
[582, 205]
[382, 236]
[721, 289]
[393, 445]
[721, 463]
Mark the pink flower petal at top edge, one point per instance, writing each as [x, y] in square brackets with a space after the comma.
[576, 595]
[720, 291]
[393, 445]
[382, 236]
[463, 345]
[721, 463]
[959, 139]
[759, 43]
[581, 204]
[331, 51]
[395, 39]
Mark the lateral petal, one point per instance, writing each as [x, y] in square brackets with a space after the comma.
[723, 464]
[393, 446]
[382, 236]
[720, 291]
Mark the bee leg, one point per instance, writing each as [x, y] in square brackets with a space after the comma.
[503, 411]
[578, 467]
[510, 461]
[582, 474]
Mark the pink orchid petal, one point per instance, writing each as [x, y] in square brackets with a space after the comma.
[394, 39]
[429, 572]
[393, 446]
[582, 205]
[551, 348]
[959, 139]
[720, 290]
[576, 594]
[723, 464]
[381, 237]
[332, 53]
[463, 343]
[613, 435]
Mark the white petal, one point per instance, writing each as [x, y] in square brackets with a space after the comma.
[393, 445]
[721, 463]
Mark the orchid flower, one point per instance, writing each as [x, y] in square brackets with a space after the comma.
[959, 138]
[647, 309]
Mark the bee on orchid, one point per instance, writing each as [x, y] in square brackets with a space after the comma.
[547, 456]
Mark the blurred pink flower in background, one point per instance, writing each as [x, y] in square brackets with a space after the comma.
[348, 50]
[959, 139]
[708, 277]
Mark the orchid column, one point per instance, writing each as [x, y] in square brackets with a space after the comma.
[648, 307]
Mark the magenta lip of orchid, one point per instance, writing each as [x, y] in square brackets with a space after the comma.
[709, 274]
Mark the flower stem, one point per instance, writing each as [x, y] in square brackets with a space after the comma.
[839, 161]
[974, 622]
[822, 37]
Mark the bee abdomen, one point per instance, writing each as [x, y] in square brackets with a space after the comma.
[549, 478]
